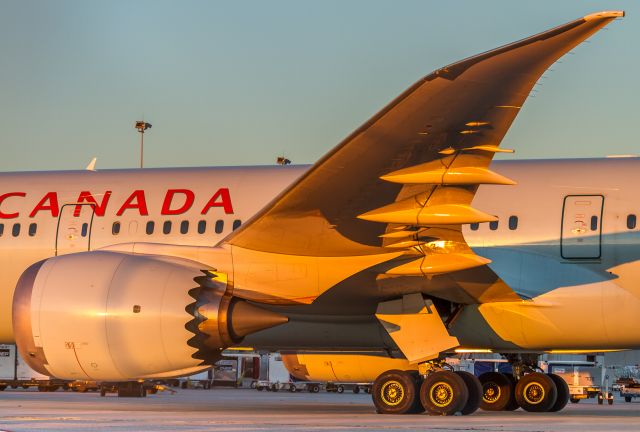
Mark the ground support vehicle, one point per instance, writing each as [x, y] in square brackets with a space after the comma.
[342, 387]
[133, 388]
[583, 378]
[82, 386]
[629, 389]
[15, 373]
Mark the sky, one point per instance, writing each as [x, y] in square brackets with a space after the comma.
[242, 82]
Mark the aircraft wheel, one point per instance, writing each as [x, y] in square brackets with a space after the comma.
[475, 392]
[395, 392]
[513, 403]
[497, 392]
[443, 393]
[563, 393]
[536, 392]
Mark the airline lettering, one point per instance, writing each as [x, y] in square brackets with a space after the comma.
[175, 202]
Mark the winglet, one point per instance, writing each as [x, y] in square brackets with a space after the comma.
[92, 165]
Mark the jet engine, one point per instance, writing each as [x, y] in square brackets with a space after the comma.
[114, 316]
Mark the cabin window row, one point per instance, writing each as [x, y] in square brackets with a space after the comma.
[167, 227]
[16, 229]
[512, 223]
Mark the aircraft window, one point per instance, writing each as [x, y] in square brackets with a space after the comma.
[631, 221]
[166, 227]
[32, 229]
[115, 229]
[219, 226]
[493, 225]
[184, 227]
[474, 226]
[236, 224]
[150, 227]
[202, 227]
[15, 231]
[513, 222]
[1, 229]
[84, 229]
[594, 223]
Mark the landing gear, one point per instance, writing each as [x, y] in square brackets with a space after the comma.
[396, 392]
[475, 392]
[536, 392]
[498, 392]
[563, 393]
[444, 393]
[439, 390]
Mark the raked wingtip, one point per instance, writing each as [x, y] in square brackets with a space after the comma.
[605, 14]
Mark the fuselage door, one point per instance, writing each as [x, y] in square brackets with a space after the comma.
[74, 228]
[581, 226]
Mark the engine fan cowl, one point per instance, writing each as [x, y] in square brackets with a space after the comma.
[114, 316]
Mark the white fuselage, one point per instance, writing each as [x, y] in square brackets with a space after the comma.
[590, 281]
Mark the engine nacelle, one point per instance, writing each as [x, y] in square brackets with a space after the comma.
[337, 367]
[115, 316]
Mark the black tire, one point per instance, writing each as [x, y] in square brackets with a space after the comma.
[292, 388]
[395, 392]
[259, 388]
[628, 398]
[43, 388]
[497, 392]
[513, 403]
[3, 387]
[103, 392]
[356, 390]
[475, 392]
[536, 392]
[563, 393]
[443, 393]
[340, 389]
[315, 389]
[574, 400]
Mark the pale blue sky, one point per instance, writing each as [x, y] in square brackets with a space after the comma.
[239, 82]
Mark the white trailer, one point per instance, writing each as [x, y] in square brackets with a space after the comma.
[15, 373]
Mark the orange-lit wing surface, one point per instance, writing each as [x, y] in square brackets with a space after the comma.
[405, 180]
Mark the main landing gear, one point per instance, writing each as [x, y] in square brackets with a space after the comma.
[442, 392]
[445, 392]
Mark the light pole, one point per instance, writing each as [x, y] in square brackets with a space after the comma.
[142, 126]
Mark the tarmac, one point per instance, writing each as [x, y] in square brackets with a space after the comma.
[250, 410]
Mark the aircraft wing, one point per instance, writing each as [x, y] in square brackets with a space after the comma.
[405, 179]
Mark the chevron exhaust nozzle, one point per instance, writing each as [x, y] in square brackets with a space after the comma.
[221, 320]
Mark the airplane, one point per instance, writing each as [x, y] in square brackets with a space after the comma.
[403, 245]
